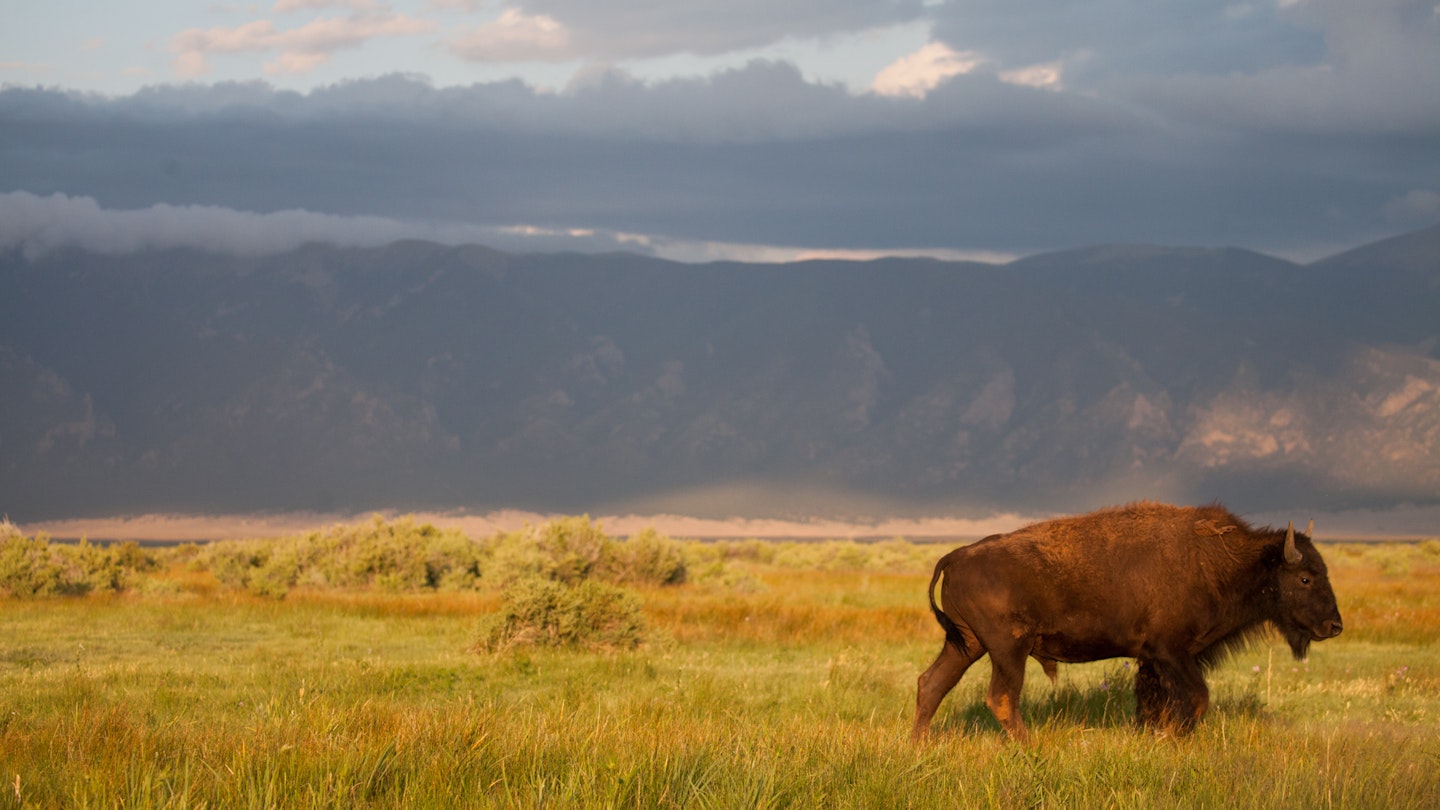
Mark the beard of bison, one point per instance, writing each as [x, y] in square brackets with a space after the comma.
[1299, 640]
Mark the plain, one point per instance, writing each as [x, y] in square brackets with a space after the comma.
[777, 675]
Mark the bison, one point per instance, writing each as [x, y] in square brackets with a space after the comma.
[1177, 588]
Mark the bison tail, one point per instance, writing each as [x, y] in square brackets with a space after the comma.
[953, 636]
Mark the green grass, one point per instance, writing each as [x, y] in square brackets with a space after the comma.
[795, 690]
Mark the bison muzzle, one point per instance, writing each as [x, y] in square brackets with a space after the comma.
[1176, 588]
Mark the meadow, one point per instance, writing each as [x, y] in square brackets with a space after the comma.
[374, 666]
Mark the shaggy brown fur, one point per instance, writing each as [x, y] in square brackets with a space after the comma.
[1177, 588]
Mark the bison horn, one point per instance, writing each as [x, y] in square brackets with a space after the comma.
[1310, 530]
[1292, 554]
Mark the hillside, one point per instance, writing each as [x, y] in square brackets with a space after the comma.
[421, 376]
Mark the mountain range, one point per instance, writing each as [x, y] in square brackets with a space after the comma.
[421, 376]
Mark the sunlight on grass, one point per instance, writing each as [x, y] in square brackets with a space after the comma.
[775, 684]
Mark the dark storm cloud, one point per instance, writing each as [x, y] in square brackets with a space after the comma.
[761, 156]
[1292, 65]
[1106, 38]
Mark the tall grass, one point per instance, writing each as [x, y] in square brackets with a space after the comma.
[778, 685]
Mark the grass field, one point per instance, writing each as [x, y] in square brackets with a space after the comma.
[787, 684]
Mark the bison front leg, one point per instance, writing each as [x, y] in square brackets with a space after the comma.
[1170, 696]
[1150, 695]
[936, 682]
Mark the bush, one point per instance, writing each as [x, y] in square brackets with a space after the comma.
[752, 550]
[234, 562]
[27, 568]
[575, 548]
[396, 556]
[1392, 560]
[33, 566]
[106, 569]
[276, 576]
[648, 558]
[405, 556]
[511, 557]
[548, 613]
[709, 564]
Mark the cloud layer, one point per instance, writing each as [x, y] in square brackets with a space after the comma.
[1294, 127]
[37, 226]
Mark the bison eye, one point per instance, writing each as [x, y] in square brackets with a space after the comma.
[1304, 580]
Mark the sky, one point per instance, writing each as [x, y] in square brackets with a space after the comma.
[702, 129]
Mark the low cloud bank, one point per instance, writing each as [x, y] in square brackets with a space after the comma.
[38, 225]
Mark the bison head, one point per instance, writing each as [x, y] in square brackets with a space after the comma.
[1306, 611]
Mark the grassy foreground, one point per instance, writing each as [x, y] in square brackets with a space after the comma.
[784, 685]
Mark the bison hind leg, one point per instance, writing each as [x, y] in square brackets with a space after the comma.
[937, 681]
[1007, 677]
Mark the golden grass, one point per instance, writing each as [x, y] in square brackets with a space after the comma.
[1388, 592]
[793, 690]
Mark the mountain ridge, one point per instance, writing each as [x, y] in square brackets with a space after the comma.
[416, 375]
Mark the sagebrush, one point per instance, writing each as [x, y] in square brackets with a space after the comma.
[33, 566]
[549, 613]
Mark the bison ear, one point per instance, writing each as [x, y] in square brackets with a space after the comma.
[1292, 554]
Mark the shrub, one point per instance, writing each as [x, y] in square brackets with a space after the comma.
[97, 568]
[752, 550]
[404, 556]
[397, 556]
[549, 613]
[709, 564]
[33, 566]
[898, 555]
[1392, 560]
[276, 576]
[511, 557]
[648, 558]
[233, 562]
[452, 561]
[574, 548]
[27, 568]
